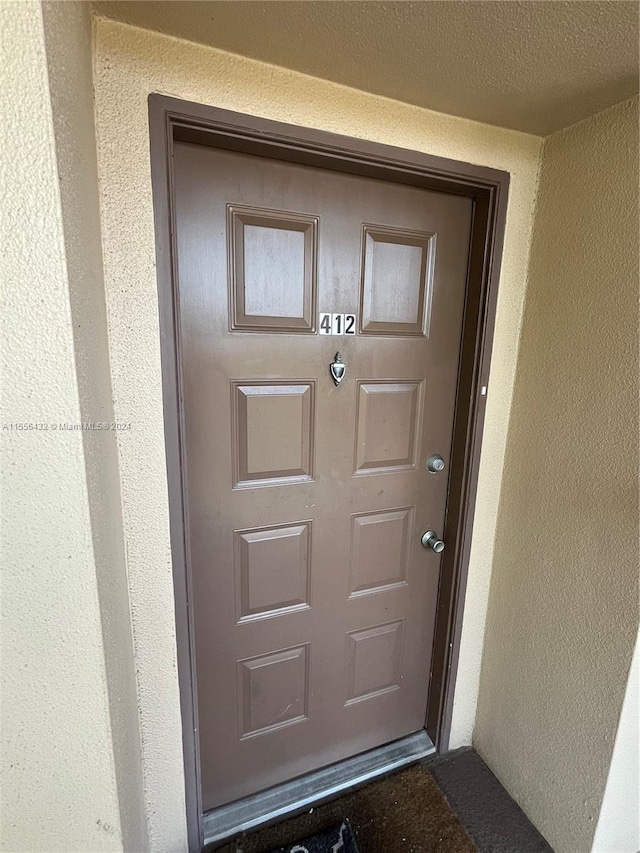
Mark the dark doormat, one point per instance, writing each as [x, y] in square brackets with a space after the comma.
[337, 840]
[402, 813]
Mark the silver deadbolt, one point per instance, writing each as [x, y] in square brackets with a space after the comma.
[430, 540]
[435, 463]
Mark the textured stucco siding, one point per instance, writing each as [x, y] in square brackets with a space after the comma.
[618, 829]
[68, 29]
[58, 791]
[130, 64]
[563, 613]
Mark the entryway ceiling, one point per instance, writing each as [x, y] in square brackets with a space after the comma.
[533, 66]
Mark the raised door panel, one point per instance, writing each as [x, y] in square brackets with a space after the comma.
[388, 419]
[379, 551]
[273, 691]
[273, 570]
[396, 281]
[273, 430]
[272, 270]
[374, 661]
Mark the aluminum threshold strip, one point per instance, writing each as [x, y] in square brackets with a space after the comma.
[267, 806]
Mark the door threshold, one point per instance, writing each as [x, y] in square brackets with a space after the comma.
[284, 800]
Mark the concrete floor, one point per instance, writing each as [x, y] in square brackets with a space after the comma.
[494, 821]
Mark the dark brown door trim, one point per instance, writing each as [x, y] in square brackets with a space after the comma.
[172, 119]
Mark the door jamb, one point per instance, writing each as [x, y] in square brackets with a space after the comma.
[171, 119]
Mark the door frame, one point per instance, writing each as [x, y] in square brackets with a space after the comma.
[172, 119]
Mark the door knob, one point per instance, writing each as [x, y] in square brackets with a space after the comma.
[430, 540]
[435, 464]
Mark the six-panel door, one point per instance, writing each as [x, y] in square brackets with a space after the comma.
[313, 600]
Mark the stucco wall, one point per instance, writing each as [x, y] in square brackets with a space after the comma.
[68, 39]
[563, 613]
[129, 64]
[618, 829]
[58, 789]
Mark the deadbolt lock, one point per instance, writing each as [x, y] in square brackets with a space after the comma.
[435, 463]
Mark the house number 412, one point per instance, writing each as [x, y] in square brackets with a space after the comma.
[337, 324]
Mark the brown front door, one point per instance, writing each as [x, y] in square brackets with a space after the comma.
[313, 599]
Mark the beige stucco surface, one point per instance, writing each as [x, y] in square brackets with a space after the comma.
[129, 64]
[536, 67]
[58, 791]
[563, 617]
[618, 829]
[68, 30]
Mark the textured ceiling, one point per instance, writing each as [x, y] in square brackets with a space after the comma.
[535, 66]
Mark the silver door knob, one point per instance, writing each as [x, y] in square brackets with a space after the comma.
[435, 464]
[430, 540]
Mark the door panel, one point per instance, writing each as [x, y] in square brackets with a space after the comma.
[273, 435]
[396, 281]
[313, 601]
